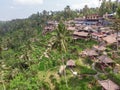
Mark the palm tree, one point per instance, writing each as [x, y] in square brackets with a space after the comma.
[67, 12]
[0, 51]
[60, 38]
[60, 41]
[116, 25]
[118, 12]
[117, 29]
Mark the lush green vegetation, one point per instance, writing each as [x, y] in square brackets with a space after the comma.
[29, 60]
[24, 65]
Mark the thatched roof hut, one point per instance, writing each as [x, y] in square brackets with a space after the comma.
[71, 28]
[105, 59]
[88, 28]
[110, 39]
[99, 48]
[108, 85]
[80, 34]
[70, 63]
[98, 35]
[91, 52]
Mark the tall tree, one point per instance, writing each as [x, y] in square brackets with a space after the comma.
[116, 26]
[60, 41]
[86, 10]
[67, 12]
[118, 12]
[102, 9]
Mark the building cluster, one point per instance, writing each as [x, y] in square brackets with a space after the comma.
[95, 27]
[108, 85]
[50, 26]
[91, 26]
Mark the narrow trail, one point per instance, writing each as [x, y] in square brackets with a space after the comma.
[98, 73]
[45, 53]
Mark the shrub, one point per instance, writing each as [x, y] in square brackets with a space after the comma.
[115, 77]
[86, 70]
[102, 77]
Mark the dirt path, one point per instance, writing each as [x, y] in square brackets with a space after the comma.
[98, 73]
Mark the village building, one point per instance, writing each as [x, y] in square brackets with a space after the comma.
[86, 29]
[50, 26]
[99, 48]
[109, 16]
[93, 19]
[108, 85]
[90, 53]
[106, 30]
[110, 39]
[80, 35]
[94, 27]
[79, 27]
[69, 23]
[79, 21]
[97, 36]
[101, 32]
[70, 63]
[105, 61]
[70, 28]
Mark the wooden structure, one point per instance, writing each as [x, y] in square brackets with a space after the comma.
[108, 85]
[92, 17]
[50, 26]
[79, 21]
[97, 36]
[86, 29]
[71, 28]
[80, 35]
[70, 63]
[90, 53]
[79, 27]
[110, 39]
[99, 48]
[106, 30]
[105, 61]
[109, 16]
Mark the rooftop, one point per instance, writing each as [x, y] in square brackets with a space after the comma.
[81, 34]
[110, 39]
[100, 48]
[70, 63]
[109, 85]
[90, 52]
[105, 59]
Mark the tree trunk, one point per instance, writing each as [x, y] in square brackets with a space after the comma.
[117, 42]
[65, 73]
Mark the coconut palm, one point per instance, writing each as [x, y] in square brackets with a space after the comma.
[60, 41]
[116, 26]
[118, 12]
[60, 38]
